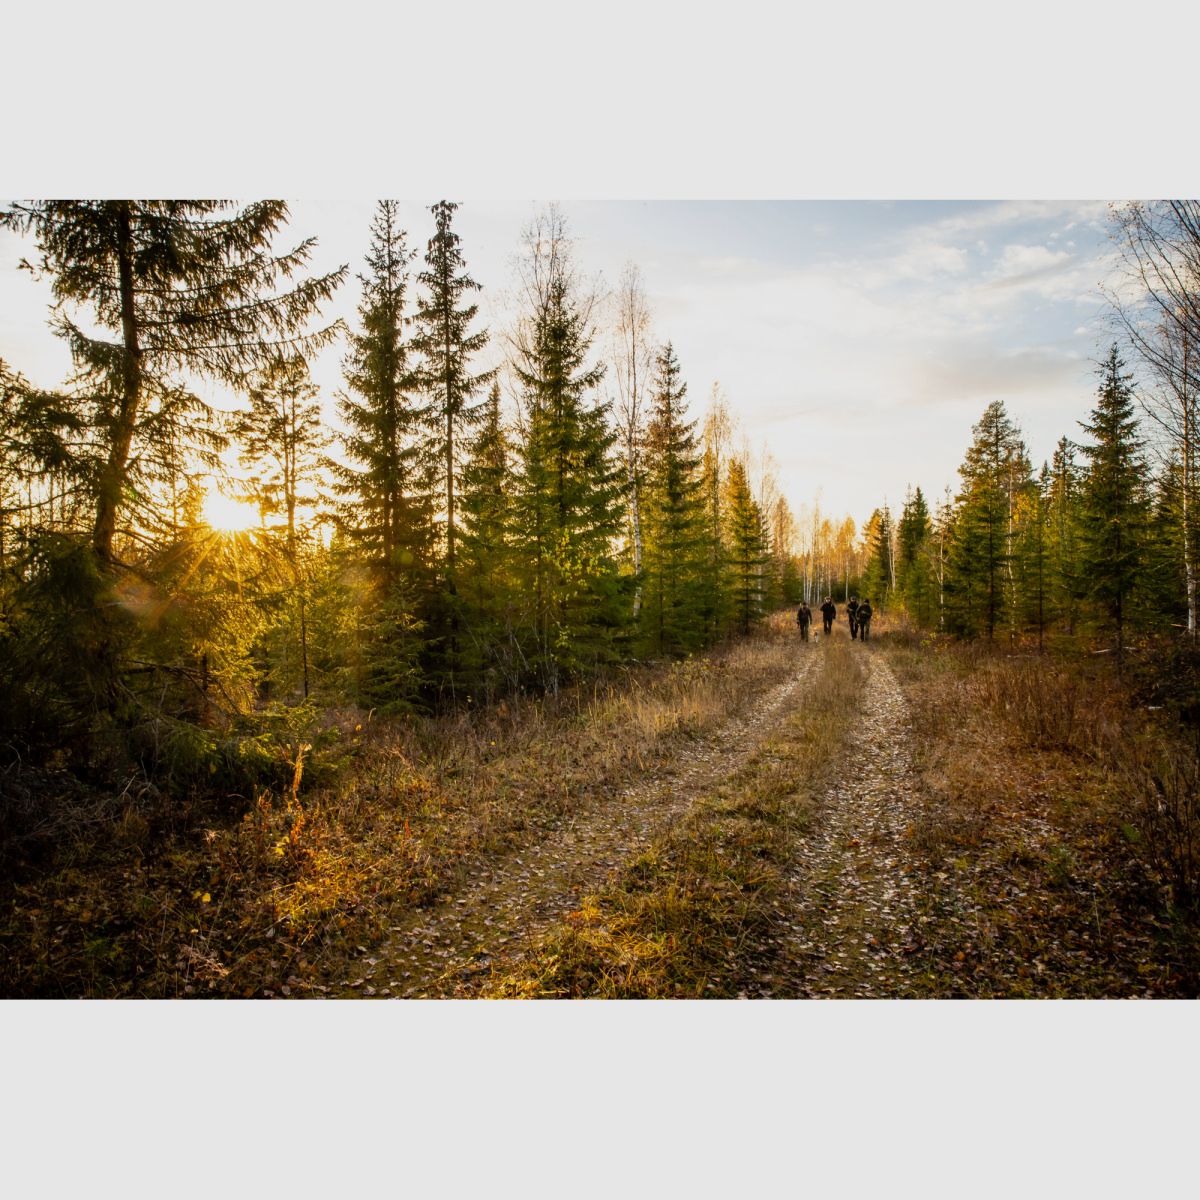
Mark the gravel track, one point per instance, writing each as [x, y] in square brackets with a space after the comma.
[443, 949]
[854, 885]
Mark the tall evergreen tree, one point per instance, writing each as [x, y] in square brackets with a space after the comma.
[446, 344]
[166, 286]
[672, 517]
[981, 555]
[387, 485]
[714, 591]
[1112, 497]
[485, 566]
[745, 553]
[1066, 585]
[914, 577]
[881, 576]
[1033, 553]
[569, 495]
[389, 509]
[281, 440]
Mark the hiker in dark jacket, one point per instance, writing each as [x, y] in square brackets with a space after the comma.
[864, 619]
[829, 613]
[852, 614]
[804, 619]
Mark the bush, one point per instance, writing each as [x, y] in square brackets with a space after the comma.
[1163, 786]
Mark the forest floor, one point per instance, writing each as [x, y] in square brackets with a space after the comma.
[775, 819]
[508, 901]
[903, 835]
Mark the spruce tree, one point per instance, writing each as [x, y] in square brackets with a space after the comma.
[1033, 554]
[490, 654]
[744, 550]
[978, 582]
[387, 485]
[1163, 583]
[281, 439]
[1112, 498]
[880, 577]
[714, 591]
[1066, 584]
[570, 494]
[914, 577]
[671, 616]
[446, 345]
[164, 287]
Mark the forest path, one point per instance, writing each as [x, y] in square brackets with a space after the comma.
[444, 949]
[854, 884]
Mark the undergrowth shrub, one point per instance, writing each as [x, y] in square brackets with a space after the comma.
[1161, 786]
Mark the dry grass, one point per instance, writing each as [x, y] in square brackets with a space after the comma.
[186, 900]
[1058, 827]
[696, 915]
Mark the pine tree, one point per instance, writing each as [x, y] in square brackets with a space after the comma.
[1163, 582]
[744, 551]
[672, 518]
[485, 565]
[881, 577]
[570, 494]
[177, 285]
[914, 578]
[1112, 498]
[1066, 585]
[714, 592]
[1033, 554]
[446, 345]
[978, 582]
[387, 511]
[281, 442]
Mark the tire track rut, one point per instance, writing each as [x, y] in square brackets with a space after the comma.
[855, 882]
[440, 950]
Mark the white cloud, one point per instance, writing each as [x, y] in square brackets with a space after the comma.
[1019, 262]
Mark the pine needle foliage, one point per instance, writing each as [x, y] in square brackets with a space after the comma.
[446, 345]
[569, 490]
[387, 485]
[1112, 499]
[178, 286]
[745, 554]
[671, 616]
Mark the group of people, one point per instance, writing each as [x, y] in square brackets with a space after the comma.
[858, 612]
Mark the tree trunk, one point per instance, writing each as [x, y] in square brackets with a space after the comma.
[112, 474]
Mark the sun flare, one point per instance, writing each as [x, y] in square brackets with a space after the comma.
[227, 513]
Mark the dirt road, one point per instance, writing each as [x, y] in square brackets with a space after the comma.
[854, 883]
[443, 949]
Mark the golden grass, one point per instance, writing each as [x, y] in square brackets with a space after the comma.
[300, 878]
[1059, 826]
[694, 914]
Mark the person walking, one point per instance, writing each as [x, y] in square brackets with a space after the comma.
[852, 615]
[829, 613]
[804, 620]
[864, 619]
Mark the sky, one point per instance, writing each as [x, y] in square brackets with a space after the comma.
[856, 341]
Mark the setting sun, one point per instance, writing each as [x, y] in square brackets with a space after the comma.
[227, 513]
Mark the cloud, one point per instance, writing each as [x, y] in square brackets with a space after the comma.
[1019, 262]
[923, 260]
[981, 372]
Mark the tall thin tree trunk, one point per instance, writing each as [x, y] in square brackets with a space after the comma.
[112, 474]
